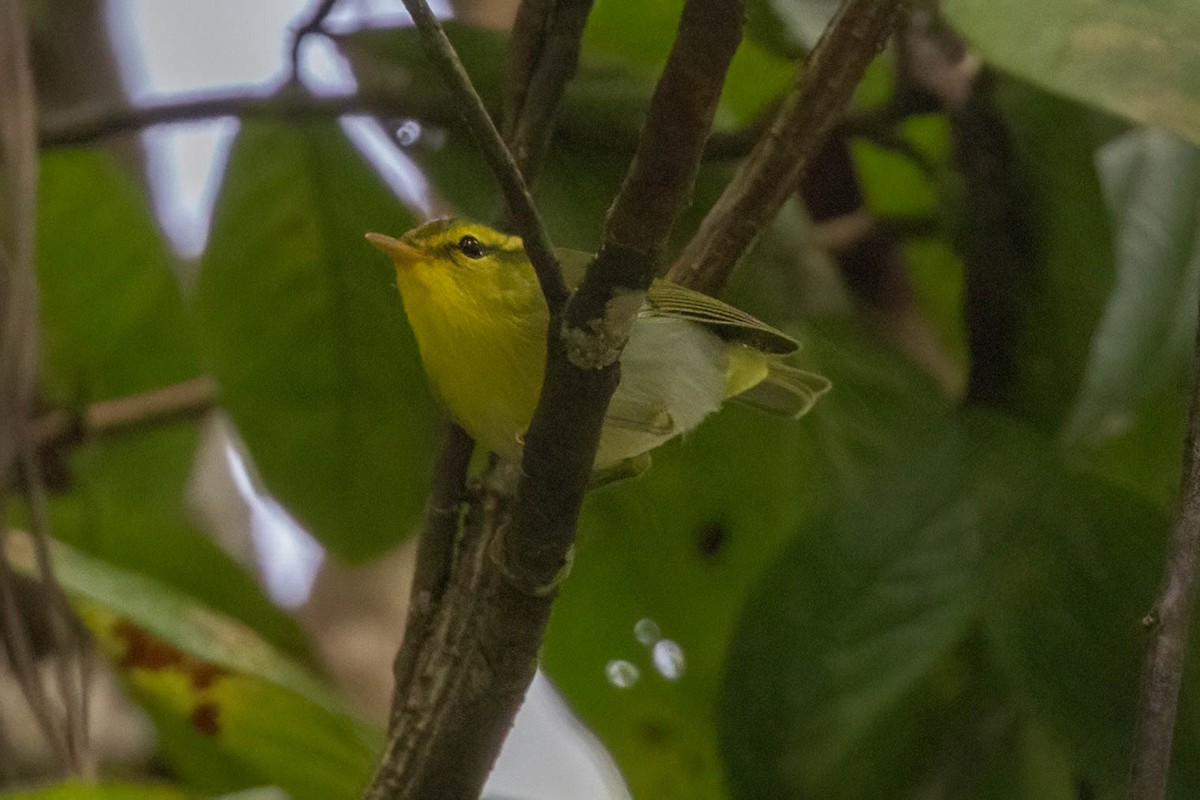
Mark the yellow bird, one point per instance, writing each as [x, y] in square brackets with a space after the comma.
[480, 321]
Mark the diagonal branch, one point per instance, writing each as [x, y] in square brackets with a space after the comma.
[772, 171]
[543, 57]
[179, 401]
[1162, 669]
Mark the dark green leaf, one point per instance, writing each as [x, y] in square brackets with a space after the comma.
[683, 544]
[114, 325]
[1136, 59]
[303, 328]
[1071, 569]
[1057, 300]
[844, 667]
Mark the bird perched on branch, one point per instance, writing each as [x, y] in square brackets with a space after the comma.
[481, 321]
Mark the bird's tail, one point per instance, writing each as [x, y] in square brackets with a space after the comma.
[787, 390]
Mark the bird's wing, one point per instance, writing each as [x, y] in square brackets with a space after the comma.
[672, 300]
[732, 324]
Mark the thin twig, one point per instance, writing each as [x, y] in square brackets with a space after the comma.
[314, 23]
[68, 644]
[770, 174]
[91, 123]
[516, 194]
[177, 402]
[1162, 669]
[543, 57]
[19, 353]
[14, 636]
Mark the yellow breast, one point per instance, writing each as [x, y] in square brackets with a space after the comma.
[485, 359]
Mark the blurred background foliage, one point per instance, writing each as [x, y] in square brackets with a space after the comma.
[931, 587]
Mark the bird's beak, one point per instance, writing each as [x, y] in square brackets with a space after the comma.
[401, 252]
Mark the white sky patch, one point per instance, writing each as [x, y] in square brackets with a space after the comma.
[287, 556]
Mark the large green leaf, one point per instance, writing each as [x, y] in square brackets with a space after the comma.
[114, 325]
[1145, 339]
[303, 328]
[1140, 59]
[682, 545]
[844, 671]
[1055, 239]
[231, 711]
[1071, 569]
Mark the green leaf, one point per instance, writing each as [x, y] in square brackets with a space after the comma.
[1139, 60]
[1072, 564]
[1050, 185]
[114, 324]
[75, 790]
[845, 664]
[303, 328]
[231, 711]
[788, 28]
[685, 536]
[1145, 338]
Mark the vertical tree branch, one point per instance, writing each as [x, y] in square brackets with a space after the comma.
[435, 557]
[769, 175]
[475, 666]
[1162, 668]
[543, 57]
[19, 354]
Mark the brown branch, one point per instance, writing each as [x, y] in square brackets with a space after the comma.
[174, 403]
[1162, 669]
[19, 355]
[435, 551]
[435, 558]
[543, 57]
[773, 169]
[474, 668]
[88, 124]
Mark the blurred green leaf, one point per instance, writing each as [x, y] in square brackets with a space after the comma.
[1145, 338]
[114, 325]
[603, 106]
[788, 28]
[1140, 59]
[844, 664]
[684, 536]
[1058, 193]
[231, 711]
[1071, 569]
[303, 328]
[75, 790]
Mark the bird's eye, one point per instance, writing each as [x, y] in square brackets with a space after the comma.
[470, 247]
